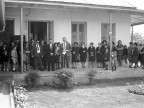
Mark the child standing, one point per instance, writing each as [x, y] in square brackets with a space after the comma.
[14, 58]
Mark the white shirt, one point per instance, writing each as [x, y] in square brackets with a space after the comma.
[38, 49]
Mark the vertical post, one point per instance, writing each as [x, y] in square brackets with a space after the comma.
[110, 37]
[21, 30]
[132, 34]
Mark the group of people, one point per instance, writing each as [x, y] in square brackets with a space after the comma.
[53, 56]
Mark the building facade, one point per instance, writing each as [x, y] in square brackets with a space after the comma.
[78, 22]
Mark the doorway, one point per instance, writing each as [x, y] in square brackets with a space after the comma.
[7, 35]
[40, 30]
[79, 32]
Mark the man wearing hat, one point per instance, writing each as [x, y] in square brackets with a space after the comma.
[37, 55]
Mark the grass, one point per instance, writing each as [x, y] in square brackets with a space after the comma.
[103, 94]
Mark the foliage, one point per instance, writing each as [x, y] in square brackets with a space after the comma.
[20, 96]
[91, 75]
[31, 78]
[137, 89]
[137, 37]
[63, 79]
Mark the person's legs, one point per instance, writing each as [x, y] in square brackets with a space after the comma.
[35, 63]
[67, 61]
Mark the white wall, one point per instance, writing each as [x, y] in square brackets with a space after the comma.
[63, 18]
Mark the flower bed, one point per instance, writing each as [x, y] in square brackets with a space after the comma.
[20, 96]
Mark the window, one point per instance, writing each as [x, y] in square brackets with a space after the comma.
[79, 30]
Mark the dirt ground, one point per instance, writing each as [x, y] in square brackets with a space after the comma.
[103, 94]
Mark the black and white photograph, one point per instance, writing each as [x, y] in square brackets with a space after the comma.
[71, 53]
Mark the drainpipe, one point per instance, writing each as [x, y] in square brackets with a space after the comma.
[132, 34]
[110, 38]
[21, 30]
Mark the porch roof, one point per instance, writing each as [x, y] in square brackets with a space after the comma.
[137, 16]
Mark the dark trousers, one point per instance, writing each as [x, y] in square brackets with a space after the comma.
[65, 61]
[44, 62]
[38, 63]
[51, 63]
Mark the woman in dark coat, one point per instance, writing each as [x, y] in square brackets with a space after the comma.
[5, 57]
[75, 55]
[106, 57]
[83, 54]
[142, 56]
[56, 55]
[99, 57]
[135, 55]
[91, 53]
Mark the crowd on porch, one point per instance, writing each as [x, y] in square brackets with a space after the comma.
[53, 56]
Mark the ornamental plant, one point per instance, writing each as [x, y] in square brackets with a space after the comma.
[63, 78]
[137, 89]
[20, 96]
[91, 75]
[32, 78]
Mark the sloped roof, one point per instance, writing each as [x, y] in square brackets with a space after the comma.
[115, 3]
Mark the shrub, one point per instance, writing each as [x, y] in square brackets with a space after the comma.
[137, 89]
[63, 79]
[31, 79]
[20, 96]
[91, 75]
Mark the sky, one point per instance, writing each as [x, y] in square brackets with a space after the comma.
[140, 5]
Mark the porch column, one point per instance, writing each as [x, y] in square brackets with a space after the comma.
[21, 31]
[110, 37]
[132, 33]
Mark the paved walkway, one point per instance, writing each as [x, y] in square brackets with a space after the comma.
[4, 95]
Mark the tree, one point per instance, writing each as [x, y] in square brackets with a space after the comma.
[138, 37]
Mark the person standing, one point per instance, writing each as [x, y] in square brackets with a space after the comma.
[37, 55]
[119, 53]
[99, 56]
[75, 55]
[51, 55]
[125, 54]
[83, 54]
[135, 55]
[14, 57]
[5, 57]
[102, 51]
[106, 57]
[65, 49]
[27, 57]
[91, 53]
[114, 57]
[129, 53]
[60, 56]
[45, 54]
[142, 56]
[56, 55]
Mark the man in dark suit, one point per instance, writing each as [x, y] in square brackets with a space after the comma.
[65, 49]
[51, 51]
[45, 54]
[37, 55]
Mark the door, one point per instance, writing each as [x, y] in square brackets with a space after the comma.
[7, 35]
[41, 30]
[79, 31]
